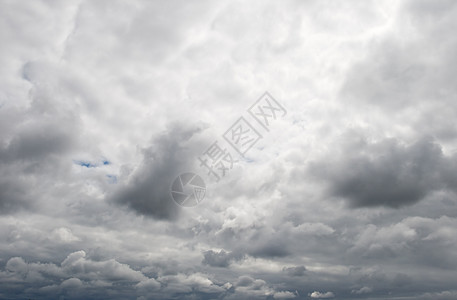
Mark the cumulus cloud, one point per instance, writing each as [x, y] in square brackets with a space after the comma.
[74, 273]
[148, 189]
[386, 173]
[320, 295]
[247, 287]
[284, 295]
[37, 141]
[220, 259]
[78, 272]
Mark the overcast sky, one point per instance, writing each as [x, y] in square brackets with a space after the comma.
[350, 193]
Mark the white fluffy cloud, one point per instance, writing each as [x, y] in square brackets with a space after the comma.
[320, 295]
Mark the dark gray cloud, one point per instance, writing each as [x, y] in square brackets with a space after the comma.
[170, 154]
[295, 271]
[270, 248]
[12, 196]
[220, 259]
[34, 149]
[37, 141]
[386, 173]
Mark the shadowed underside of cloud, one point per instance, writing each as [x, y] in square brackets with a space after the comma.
[221, 258]
[12, 196]
[32, 142]
[295, 271]
[80, 277]
[148, 191]
[386, 173]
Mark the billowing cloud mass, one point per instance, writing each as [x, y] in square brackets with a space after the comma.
[386, 173]
[148, 192]
[351, 194]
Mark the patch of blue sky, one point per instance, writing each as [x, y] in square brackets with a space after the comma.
[89, 164]
[86, 164]
[248, 160]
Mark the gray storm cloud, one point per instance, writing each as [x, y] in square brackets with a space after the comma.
[169, 155]
[352, 195]
[386, 173]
